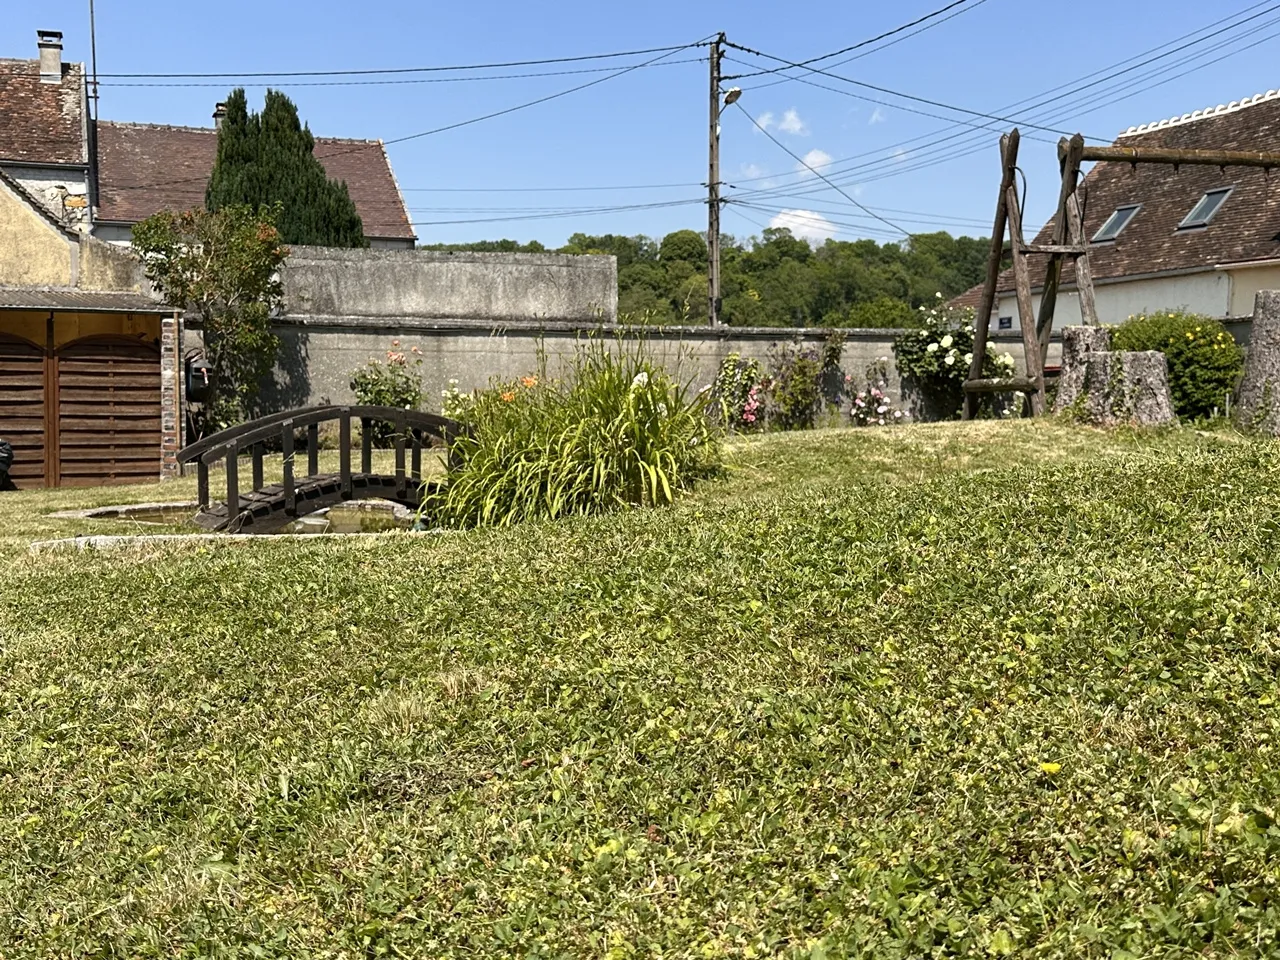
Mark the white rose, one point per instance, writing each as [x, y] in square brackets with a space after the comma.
[947, 341]
[932, 348]
[951, 358]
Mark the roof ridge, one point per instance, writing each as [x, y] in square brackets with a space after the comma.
[139, 124]
[1206, 113]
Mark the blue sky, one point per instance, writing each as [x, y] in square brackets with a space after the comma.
[648, 126]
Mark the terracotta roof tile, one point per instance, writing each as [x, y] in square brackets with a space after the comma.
[146, 168]
[41, 122]
[1247, 226]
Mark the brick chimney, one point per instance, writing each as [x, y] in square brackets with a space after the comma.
[219, 114]
[50, 44]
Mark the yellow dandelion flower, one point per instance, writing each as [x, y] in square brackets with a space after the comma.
[1051, 768]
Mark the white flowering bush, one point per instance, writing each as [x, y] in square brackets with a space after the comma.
[937, 356]
[872, 406]
[454, 403]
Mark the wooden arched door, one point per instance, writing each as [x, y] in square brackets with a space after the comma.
[23, 409]
[108, 412]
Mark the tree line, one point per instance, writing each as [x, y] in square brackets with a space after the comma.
[776, 279]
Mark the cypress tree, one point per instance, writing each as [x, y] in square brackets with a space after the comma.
[266, 159]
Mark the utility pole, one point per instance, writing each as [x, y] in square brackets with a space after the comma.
[713, 189]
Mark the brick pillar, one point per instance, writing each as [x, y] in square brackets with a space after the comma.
[170, 397]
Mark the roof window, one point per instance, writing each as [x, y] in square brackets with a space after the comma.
[1116, 222]
[1206, 209]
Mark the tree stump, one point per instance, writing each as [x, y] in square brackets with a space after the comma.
[1127, 388]
[1258, 399]
[1077, 344]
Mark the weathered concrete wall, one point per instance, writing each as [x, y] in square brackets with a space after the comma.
[105, 267]
[32, 251]
[317, 356]
[429, 285]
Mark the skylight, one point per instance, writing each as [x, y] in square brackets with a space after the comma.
[1116, 222]
[1205, 210]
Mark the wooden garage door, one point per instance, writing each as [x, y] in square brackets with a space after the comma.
[108, 412]
[22, 409]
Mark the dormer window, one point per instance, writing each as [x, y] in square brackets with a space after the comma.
[1206, 209]
[1116, 222]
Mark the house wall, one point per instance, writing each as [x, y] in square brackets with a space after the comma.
[106, 267]
[1209, 293]
[1247, 282]
[32, 253]
[64, 192]
[115, 234]
[376, 243]
[429, 285]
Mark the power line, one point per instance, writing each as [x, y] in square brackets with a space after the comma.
[867, 53]
[621, 71]
[372, 72]
[864, 43]
[289, 84]
[895, 93]
[550, 215]
[817, 173]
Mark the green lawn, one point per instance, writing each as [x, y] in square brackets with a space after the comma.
[987, 689]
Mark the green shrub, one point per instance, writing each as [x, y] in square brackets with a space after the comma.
[937, 356]
[619, 432]
[737, 396]
[802, 380]
[1204, 360]
[395, 382]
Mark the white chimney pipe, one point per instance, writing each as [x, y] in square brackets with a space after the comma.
[50, 44]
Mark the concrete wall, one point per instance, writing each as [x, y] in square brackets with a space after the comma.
[64, 192]
[428, 285]
[318, 356]
[32, 251]
[105, 267]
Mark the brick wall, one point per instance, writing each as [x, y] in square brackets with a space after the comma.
[170, 397]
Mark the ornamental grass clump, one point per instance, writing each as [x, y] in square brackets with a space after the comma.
[1204, 361]
[618, 431]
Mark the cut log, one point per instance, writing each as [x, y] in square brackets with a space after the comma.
[1126, 388]
[1258, 399]
[1077, 344]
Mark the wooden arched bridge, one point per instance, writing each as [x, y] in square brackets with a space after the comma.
[265, 508]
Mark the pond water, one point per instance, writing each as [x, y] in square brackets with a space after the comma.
[344, 518]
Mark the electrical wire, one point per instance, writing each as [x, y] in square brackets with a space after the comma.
[375, 71]
[817, 173]
[864, 43]
[290, 84]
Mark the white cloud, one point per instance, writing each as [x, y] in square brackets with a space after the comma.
[791, 123]
[764, 121]
[814, 160]
[805, 224]
[901, 156]
[877, 116]
[752, 172]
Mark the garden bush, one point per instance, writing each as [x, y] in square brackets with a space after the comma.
[1204, 360]
[737, 396]
[935, 360]
[393, 382]
[618, 431]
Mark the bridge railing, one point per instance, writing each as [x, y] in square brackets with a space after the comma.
[410, 428]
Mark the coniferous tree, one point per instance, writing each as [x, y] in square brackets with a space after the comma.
[266, 159]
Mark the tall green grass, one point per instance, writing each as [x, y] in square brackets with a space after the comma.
[616, 431]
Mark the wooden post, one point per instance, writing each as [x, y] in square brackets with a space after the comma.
[233, 483]
[313, 449]
[1022, 287]
[344, 453]
[1084, 271]
[982, 325]
[202, 483]
[1069, 153]
[290, 493]
[416, 460]
[366, 445]
[257, 453]
[402, 486]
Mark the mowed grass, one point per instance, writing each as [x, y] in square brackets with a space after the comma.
[868, 697]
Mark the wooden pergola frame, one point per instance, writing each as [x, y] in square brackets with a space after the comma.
[1067, 240]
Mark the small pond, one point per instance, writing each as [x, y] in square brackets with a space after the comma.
[376, 516]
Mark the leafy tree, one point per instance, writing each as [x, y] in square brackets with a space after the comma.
[266, 159]
[684, 246]
[223, 268]
[487, 246]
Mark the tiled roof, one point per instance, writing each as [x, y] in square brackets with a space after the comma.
[70, 298]
[1246, 228]
[41, 122]
[145, 168]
